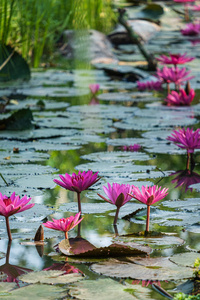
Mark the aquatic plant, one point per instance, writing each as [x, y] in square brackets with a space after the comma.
[94, 88]
[186, 139]
[148, 196]
[176, 75]
[118, 194]
[180, 98]
[134, 148]
[13, 205]
[174, 59]
[149, 85]
[64, 224]
[191, 29]
[78, 183]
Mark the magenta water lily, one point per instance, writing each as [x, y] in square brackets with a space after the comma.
[117, 195]
[174, 59]
[78, 182]
[180, 98]
[148, 196]
[64, 224]
[94, 88]
[13, 205]
[149, 85]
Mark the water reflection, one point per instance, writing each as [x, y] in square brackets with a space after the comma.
[185, 178]
[12, 271]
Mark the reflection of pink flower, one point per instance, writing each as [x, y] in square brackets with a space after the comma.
[64, 224]
[94, 102]
[186, 139]
[65, 267]
[181, 98]
[185, 179]
[13, 272]
[132, 148]
[149, 195]
[13, 204]
[94, 88]
[175, 59]
[149, 85]
[145, 283]
[78, 183]
[191, 29]
[118, 195]
[176, 75]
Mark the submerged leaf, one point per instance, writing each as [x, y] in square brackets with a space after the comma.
[19, 120]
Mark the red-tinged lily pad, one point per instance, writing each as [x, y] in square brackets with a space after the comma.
[113, 250]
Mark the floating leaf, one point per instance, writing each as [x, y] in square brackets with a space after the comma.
[153, 269]
[114, 250]
[50, 277]
[186, 259]
[104, 288]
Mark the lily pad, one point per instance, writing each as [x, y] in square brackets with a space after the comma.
[116, 156]
[50, 277]
[104, 288]
[114, 250]
[186, 259]
[153, 269]
[40, 291]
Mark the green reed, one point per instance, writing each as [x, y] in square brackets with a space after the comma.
[33, 27]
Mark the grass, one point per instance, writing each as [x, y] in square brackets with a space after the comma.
[34, 27]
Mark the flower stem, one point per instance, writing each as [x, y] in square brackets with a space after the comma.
[116, 230]
[8, 229]
[116, 216]
[3, 179]
[188, 161]
[186, 13]
[148, 218]
[168, 89]
[79, 201]
[66, 235]
[8, 251]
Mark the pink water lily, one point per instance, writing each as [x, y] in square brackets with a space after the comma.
[148, 196]
[176, 75]
[195, 7]
[149, 85]
[117, 195]
[181, 98]
[175, 59]
[191, 29]
[184, 1]
[64, 224]
[12, 205]
[78, 183]
[132, 148]
[186, 139]
[94, 88]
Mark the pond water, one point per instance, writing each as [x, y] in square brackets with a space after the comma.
[75, 131]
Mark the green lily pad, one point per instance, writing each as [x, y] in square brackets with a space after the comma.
[104, 288]
[186, 259]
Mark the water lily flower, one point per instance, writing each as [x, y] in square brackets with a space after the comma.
[132, 148]
[174, 59]
[117, 195]
[176, 75]
[64, 224]
[148, 196]
[191, 29]
[149, 85]
[94, 88]
[78, 183]
[186, 139]
[12, 205]
[180, 99]
[196, 7]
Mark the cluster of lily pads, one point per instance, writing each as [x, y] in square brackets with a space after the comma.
[117, 194]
